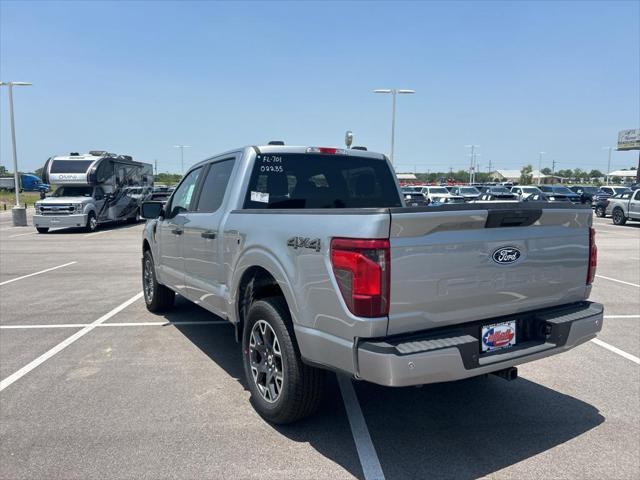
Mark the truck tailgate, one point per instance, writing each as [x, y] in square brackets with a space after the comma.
[443, 270]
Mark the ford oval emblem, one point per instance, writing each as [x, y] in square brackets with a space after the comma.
[506, 255]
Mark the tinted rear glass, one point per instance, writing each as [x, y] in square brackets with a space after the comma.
[295, 180]
[70, 166]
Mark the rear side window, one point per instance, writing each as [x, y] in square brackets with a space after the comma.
[297, 180]
[214, 186]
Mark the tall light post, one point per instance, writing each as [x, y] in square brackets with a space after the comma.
[182, 147]
[540, 165]
[394, 92]
[18, 214]
[608, 162]
[473, 160]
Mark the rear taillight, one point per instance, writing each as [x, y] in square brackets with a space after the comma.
[593, 256]
[361, 268]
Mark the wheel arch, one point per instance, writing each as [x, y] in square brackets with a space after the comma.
[257, 277]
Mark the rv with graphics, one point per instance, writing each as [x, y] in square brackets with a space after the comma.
[92, 189]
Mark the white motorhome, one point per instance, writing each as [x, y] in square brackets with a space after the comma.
[93, 188]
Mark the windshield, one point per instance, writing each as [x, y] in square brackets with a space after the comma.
[70, 166]
[530, 190]
[411, 189]
[68, 191]
[621, 189]
[563, 190]
[298, 180]
[469, 190]
[499, 190]
[438, 190]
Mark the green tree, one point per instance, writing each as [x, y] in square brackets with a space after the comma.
[525, 175]
[3, 170]
[167, 178]
[546, 171]
[596, 174]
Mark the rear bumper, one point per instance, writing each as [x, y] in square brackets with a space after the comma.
[453, 355]
[53, 221]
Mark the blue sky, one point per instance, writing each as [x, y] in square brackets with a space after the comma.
[140, 77]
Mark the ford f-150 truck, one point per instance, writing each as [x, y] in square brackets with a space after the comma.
[626, 207]
[312, 255]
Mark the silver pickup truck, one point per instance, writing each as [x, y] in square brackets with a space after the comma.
[624, 207]
[313, 257]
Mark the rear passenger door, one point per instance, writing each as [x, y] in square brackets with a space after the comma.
[204, 240]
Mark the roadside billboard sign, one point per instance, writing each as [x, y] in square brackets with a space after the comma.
[629, 139]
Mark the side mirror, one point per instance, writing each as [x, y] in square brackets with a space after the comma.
[151, 210]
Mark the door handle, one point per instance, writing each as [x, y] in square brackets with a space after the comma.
[177, 231]
[209, 235]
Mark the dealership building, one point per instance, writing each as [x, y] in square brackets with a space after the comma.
[514, 176]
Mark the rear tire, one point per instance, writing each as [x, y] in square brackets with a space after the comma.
[157, 297]
[618, 216]
[283, 389]
[42, 229]
[600, 212]
[92, 223]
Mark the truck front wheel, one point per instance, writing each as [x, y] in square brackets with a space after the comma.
[42, 229]
[157, 297]
[283, 389]
[618, 216]
[92, 223]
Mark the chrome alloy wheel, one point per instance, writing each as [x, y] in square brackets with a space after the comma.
[265, 358]
[147, 279]
[93, 223]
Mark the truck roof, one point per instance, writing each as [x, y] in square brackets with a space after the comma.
[304, 149]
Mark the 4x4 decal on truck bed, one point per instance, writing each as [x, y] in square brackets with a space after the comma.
[304, 242]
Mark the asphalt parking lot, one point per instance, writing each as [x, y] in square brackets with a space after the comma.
[94, 386]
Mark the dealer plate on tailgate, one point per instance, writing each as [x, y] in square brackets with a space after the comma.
[498, 336]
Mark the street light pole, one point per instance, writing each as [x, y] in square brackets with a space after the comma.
[540, 165]
[19, 215]
[472, 162]
[393, 93]
[182, 147]
[608, 162]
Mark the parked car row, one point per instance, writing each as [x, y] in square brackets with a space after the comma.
[597, 197]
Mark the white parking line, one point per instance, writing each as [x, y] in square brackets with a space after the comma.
[114, 324]
[99, 232]
[622, 316]
[21, 234]
[36, 273]
[619, 281]
[65, 343]
[366, 451]
[613, 349]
